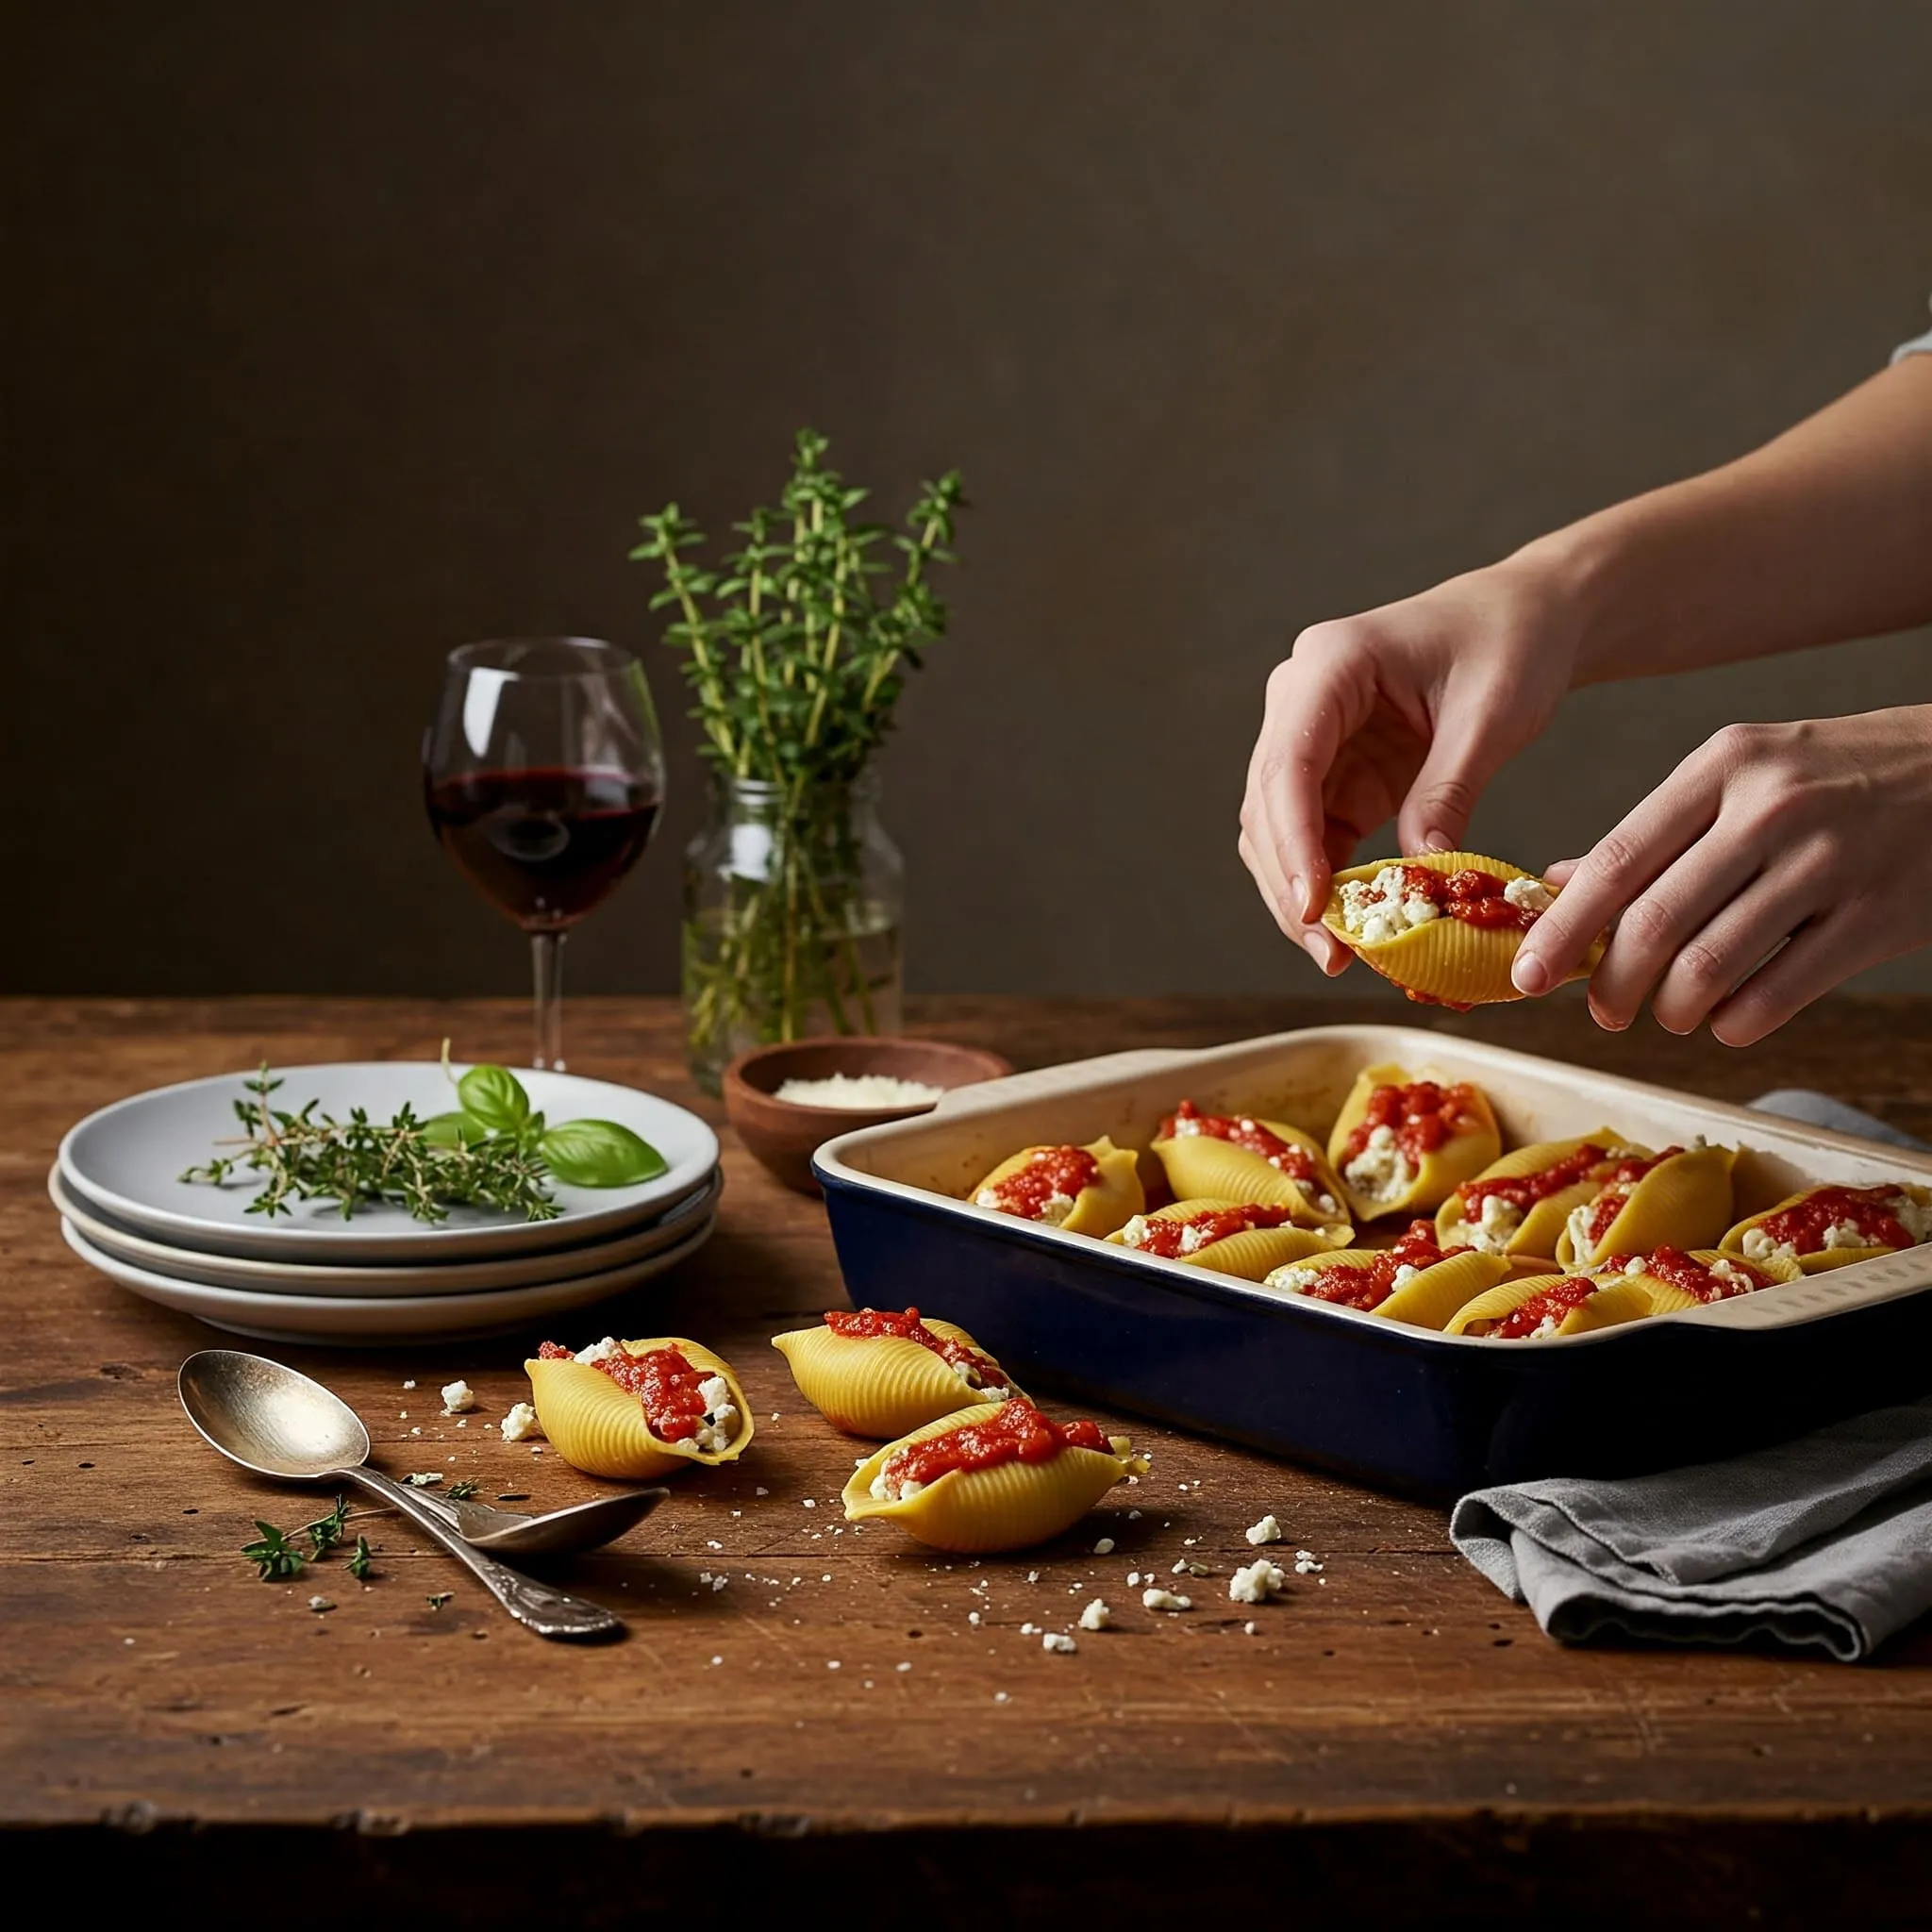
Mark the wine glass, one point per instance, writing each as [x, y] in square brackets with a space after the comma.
[543, 775]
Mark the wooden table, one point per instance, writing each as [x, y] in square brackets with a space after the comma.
[1395, 1740]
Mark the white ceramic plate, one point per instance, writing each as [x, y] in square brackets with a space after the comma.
[127, 1162]
[455, 1276]
[377, 1320]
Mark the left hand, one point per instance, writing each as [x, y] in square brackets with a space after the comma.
[1774, 863]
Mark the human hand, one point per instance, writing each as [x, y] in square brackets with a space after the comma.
[1411, 708]
[1775, 862]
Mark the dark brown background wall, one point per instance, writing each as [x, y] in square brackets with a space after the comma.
[335, 336]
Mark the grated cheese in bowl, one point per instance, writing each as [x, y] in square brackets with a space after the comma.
[860, 1092]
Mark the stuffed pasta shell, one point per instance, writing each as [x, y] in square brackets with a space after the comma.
[1401, 1146]
[1445, 926]
[638, 1409]
[1676, 1280]
[1088, 1190]
[878, 1371]
[1232, 1157]
[996, 1477]
[1416, 1281]
[1681, 1196]
[1832, 1226]
[1543, 1305]
[1245, 1238]
[1519, 1205]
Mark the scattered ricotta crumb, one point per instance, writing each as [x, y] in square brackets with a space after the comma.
[320, 1604]
[1029, 1629]
[717, 1660]
[1165, 1600]
[902, 1667]
[762, 1492]
[999, 1696]
[457, 1396]
[1260, 1580]
[973, 1618]
[1248, 1629]
[1133, 1516]
[831, 1664]
[1134, 1578]
[1096, 1616]
[1033, 1576]
[521, 1421]
[411, 1383]
[1104, 1547]
[1304, 1565]
[1266, 1531]
[811, 1502]
[1058, 1641]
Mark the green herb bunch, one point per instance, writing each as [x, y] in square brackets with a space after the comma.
[491, 1150]
[276, 1558]
[798, 643]
[796, 646]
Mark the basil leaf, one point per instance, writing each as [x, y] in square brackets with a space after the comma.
[494, 1097]
[600, 1154]
[454, 1131]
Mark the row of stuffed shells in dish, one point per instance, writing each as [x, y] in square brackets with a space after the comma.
[973, 1465]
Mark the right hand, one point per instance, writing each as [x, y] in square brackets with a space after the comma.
[1402, 712]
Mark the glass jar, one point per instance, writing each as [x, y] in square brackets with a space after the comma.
[792, 903]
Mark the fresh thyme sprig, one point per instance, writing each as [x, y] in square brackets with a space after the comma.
[491, 1152]
[276, 1556]
[795, 648]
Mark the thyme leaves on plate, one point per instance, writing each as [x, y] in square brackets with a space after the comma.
[491, 1151]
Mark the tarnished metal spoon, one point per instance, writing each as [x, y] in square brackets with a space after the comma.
[278, 1422]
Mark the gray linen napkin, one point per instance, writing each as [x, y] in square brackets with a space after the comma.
[1824, 1541]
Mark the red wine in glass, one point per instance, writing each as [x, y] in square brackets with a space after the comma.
[547, 844]
[543, 775]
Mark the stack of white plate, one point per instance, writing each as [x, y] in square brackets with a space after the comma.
[378, 1276]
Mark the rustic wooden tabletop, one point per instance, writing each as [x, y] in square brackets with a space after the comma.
[1394, 1737]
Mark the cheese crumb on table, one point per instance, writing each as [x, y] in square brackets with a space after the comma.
[1096, 1616]
[1165, 1600]
[521, 1421]
[1058, 1642]
[1104, 1547]
[457, 1396]
[1266, 1531]
[1260, 1580]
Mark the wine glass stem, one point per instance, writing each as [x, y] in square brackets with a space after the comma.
[547, 963]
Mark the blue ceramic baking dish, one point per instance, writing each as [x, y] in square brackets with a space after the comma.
[1402, 1407]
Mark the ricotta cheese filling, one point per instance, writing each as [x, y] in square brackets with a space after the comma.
[1260, 1580]
[1053, 1210]
[1529, 895]
[1377, 910]
[720, 1424]
[1493, 1229]
[1381, 1170]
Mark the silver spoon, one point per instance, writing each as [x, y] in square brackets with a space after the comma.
[278, 1422]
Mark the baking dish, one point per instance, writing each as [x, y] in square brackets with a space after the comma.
[1330, 1385]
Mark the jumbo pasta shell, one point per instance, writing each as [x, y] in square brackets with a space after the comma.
[1439, 1173]
[1201, 1166]
[1683, 1202]
[1540, 1230]
[1008, 1507]
[1250, 1254]
[1825, 1260]
[1667, 1298]
[1617, 1302]
[879, 1385]
[1447, 962]
[1426, 1300]
[600, 1428]
[1116, 1197]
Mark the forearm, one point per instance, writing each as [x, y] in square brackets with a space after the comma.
[1821, 535]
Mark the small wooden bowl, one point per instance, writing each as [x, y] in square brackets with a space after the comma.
[782, 1136]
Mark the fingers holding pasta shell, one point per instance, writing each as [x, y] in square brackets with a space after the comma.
[1826, 1227]
[1090, 1190]
[601, 1428]
[887, 1385]
[1402, 1144]
[1009, 1505]
[1546, 1306]
[1242, 1157]
[1557, 1176]
[1680, 1198]
[1445, 926]
[1241, 1238]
